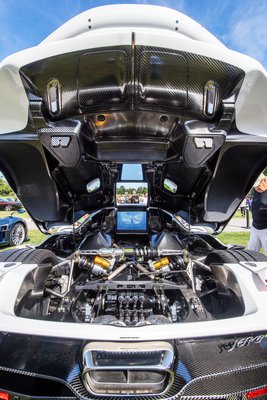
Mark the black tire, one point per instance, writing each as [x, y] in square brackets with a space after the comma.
[17, 234]
[233, 256]
[251, 255]
[8, 207]
[29, 256]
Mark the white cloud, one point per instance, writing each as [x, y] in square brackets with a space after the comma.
[250, 36]
[248, 32]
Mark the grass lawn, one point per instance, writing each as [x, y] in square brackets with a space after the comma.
[35, 236]
[239, 215]
[4, 214]
[240, 238]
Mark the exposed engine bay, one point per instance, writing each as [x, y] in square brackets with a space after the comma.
[170, 111]
[131, 135]
[119, 279]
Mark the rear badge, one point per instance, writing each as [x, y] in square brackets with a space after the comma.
[243, 342]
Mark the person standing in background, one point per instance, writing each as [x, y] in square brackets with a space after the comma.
[243, 206]
[249, 202]
[134, 198]
[258, 233]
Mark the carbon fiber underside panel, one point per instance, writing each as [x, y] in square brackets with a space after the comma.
[210, 368]
[164, 80]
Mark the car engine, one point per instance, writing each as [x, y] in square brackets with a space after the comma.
[129, 284]
[122, 292]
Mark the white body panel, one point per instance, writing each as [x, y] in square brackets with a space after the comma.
[152, 25]
[139, 85]
[133, 16]
[253, 291]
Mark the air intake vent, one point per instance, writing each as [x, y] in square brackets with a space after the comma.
[128, 368]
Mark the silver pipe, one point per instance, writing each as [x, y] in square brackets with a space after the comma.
[61, 264]
[120, 252]
[143, 269]
[104, 252]
[169, 252]
[117, 271]
[61, 295]
[192, 276]
[201, 264]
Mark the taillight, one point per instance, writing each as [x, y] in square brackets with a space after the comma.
[5, 396]
[256, 393]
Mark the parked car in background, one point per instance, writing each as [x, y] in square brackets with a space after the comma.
[13, 231]
[8, 204]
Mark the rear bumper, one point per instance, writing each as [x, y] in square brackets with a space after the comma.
[210, 368]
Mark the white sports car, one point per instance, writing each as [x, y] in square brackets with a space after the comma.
[139, 133]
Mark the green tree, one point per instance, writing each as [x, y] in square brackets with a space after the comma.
[142, 190]
[5, 189]
[121, 190]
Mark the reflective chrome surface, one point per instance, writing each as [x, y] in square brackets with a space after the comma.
[128, 368]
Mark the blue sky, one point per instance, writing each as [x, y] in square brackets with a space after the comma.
[240, 24]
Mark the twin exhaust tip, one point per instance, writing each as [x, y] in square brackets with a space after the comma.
[111, 368]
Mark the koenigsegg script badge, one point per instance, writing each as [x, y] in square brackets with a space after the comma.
[243, 342]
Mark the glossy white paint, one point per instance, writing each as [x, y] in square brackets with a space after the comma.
[133, 16]
[13, 101]
[153, 26]
[254, 320]
[251, 104]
